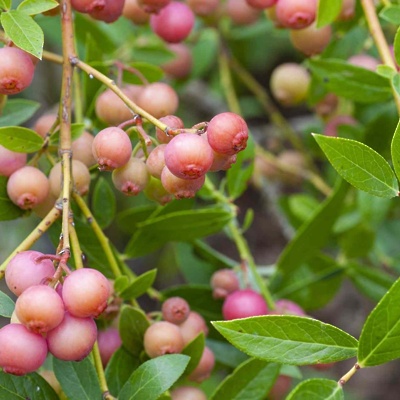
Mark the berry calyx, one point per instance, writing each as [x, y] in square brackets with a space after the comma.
[296, 14]
[175, 310]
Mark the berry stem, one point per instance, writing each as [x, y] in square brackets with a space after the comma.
[28, 242]
[380, 41]
[100, 372]
[346, 377]
[76, 247]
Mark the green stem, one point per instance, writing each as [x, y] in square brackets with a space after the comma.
[345, 378]
[76, 247]
[100, 373]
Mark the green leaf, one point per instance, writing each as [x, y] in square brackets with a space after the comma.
[317, 389]
[239, 386]
[176, 226]
[139, 286]
[8, 210]
[327, 11]
[32, 7]
[396, 46]
[76, 132]
[240, 172]
[152, 73]
[395, 150]
[128, 220]
[349, 81]
[225, 353]
[17, 111]
[30, 386]
[132, 326]
[194, 350]
[391, 14]
[119, 369]
[288, 339]
[379, 337]
[314, 233]
[21, 140]
[23, 31]
[104, 205]
[358, 241]
[78, 379]
[359, 165]
[204, 52]
[154, 377]
[5, 4]
[6, 305]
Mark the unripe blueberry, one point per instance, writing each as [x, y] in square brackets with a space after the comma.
[111, 11]
[80, 178]
[227, 133]
[188, 393]
[173, 122]
[24, 270]
[242, 304]
[327, 105]
[289, 83]
[181, 65]
[188, 156]
[322, 367]
[296, 14]
[175, 310]
[10, 161]
[153, 6]
[181, 188]
[44, 123]
[332, 126]
[163, 338]
[192, 327]
[73, 339]
[27, 187]
[86, 6]
[155, 191]
[348, 10]
[311, 40]
[16, 70]
[364, 61]
[156, 161]
[204, 367]
[132, 178]
[158, 99]
[40, 308]
[203, 7]
[112, 148]
[281, 388]
[173, 23]
[21, 351]
[241, 13]
[134, 12]
[82, 149]
[222, 162]
[109, 341]
[261, 4]
[224, 282]
[287, 307]
[85, 293]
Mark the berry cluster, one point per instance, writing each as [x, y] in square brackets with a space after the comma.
[59, 321]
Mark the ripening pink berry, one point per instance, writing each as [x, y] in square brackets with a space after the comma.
[204, 7]
[82, 149]
[311, 40]
[188, 393]
[173, 23]
[110, 13]
[241, 13]
[85, 293]
[224, 282]
[109, 341]
[181, 65]
[181, 188]
[73, 339]
[16, 70]
[175, 310]
[156, 161]
[287, 307]
[364, 61]
[227, 133]
[204, 367]
[261, 4]
[112, 148]
[40, 308]
[348, 10]
[296, 14]
[162, 338]
[86, 6]
[173, 122]
[27, 187]
[242, 304]
[10, 161]
[21, 351]
[153, 6]
[25, 270]
[134, 12]
[222, 162]
[131, 178]
[192, 327]
[158, 99]
[44, 123]
[188, 156]
[155, 191]
[281, 388]
[333, 124]
[327, 105]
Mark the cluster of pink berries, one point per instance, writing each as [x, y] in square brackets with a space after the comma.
[59, 321]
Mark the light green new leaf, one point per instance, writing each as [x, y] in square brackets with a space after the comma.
[23, 31]
[238, 386]
[317, 389]
[5, 5]
[139, 286]
[21, 140]
[391, 14]
[360, 165]
[288, 339]
[379, 339]
[395, 150]
[154, 377]
[6, 305]
[33, 7]
[327, 11]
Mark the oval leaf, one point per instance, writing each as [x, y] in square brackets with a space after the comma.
[32, 7]
[238, 386]
[194, 350]
[6, 305]
[139, 286]
[21, 140]
[379, 337]
[154, 377]
[288, 339]
[104, 204]
[327, 12]
[8, 210]
[391, 14]
[317, 389]
[395, 150]
[17, 111]
[360, 165]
